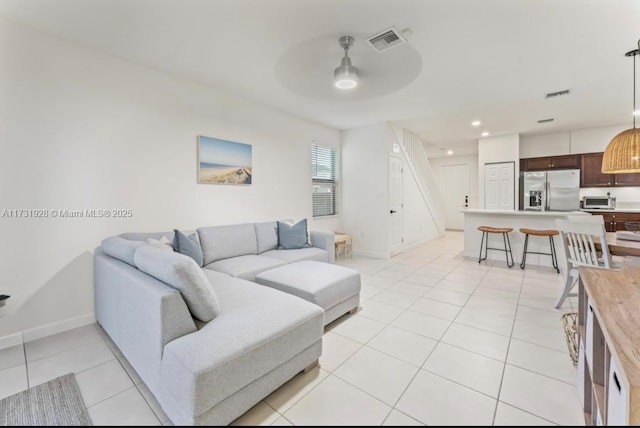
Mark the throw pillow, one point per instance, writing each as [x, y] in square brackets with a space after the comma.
[183, 274]
[293, 236]
[121, 249]
[188, 245]
[163, 243]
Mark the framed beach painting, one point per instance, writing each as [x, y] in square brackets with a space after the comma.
[223, 162]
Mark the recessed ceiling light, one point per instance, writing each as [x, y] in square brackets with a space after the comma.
[449, 152]
[476, 123]
[485, 134]
[636, 113]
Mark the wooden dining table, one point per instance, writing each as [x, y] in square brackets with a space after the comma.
[621, 247]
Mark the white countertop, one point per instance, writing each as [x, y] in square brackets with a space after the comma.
[522, 213]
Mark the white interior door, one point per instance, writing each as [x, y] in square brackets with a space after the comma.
[499, 186]
[454, 186]
[395, 202]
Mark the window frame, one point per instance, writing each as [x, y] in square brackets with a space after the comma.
[331, 181]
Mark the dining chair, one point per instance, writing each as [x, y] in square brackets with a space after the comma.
[578, 243]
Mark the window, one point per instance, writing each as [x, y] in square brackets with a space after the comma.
[324, 180]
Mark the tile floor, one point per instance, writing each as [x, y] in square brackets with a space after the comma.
[438, 340]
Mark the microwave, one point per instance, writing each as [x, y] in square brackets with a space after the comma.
[598, 202]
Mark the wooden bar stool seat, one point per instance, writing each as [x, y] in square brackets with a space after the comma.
[486, 230]
[540, 232]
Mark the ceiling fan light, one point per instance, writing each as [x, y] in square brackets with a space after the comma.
[345, 76]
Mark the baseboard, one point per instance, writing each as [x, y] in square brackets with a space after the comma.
[57, 327]
[416, 243]
[10, 340]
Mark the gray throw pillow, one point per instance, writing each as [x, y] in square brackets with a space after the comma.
[293, 236]
[188, 245]
[181, 273]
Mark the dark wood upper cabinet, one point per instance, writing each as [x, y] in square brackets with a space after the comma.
[590, 165]
[551, 162]
[565, 162]
[621, 180]
[533, 164]
[590, 175]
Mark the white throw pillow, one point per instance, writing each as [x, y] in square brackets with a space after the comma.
[163, 243]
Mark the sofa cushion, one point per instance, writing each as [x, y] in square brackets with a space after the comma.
[292, 236]
[223, 242]
[258, 329]
[291, 256]
[121, 249]
[324, 284]
[188, 245]
[182, 273]
[245, 267]
[267, 236]
[213, 275]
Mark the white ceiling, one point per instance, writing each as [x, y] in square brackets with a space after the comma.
[492, 60]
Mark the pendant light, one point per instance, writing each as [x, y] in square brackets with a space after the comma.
[345, 76]
[622, 154]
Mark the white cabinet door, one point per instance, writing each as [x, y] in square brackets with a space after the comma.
[499, 186]
[617, 396]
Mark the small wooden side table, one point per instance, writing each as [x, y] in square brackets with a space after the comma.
[343, 242]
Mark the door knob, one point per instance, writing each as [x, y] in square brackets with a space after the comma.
[392, 211]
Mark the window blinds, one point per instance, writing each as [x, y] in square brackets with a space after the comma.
[323, 174]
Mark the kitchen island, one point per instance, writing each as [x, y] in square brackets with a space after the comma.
[516, 220]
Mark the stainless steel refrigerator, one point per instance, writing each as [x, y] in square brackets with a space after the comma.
[553, 190]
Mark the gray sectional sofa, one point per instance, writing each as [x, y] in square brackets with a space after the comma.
[208, 342]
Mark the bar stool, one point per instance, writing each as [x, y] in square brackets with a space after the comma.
[535, 232]
[486, 230]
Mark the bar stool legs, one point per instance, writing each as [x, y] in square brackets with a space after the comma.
[485, 242]
[552, 247]
[524, 251]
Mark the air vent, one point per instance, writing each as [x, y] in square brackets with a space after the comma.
[386, 39]
[557, 94]
[545, 120]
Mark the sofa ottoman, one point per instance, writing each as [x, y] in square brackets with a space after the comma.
[336, 289]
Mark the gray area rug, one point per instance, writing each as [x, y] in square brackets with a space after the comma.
[57, 402]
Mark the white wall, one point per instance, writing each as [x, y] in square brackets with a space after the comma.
[589, 140]
[532, 146]
[82, 130]
[365, 188]
[594, 139]
[472, 161]
[418, 224]
[504, 148]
